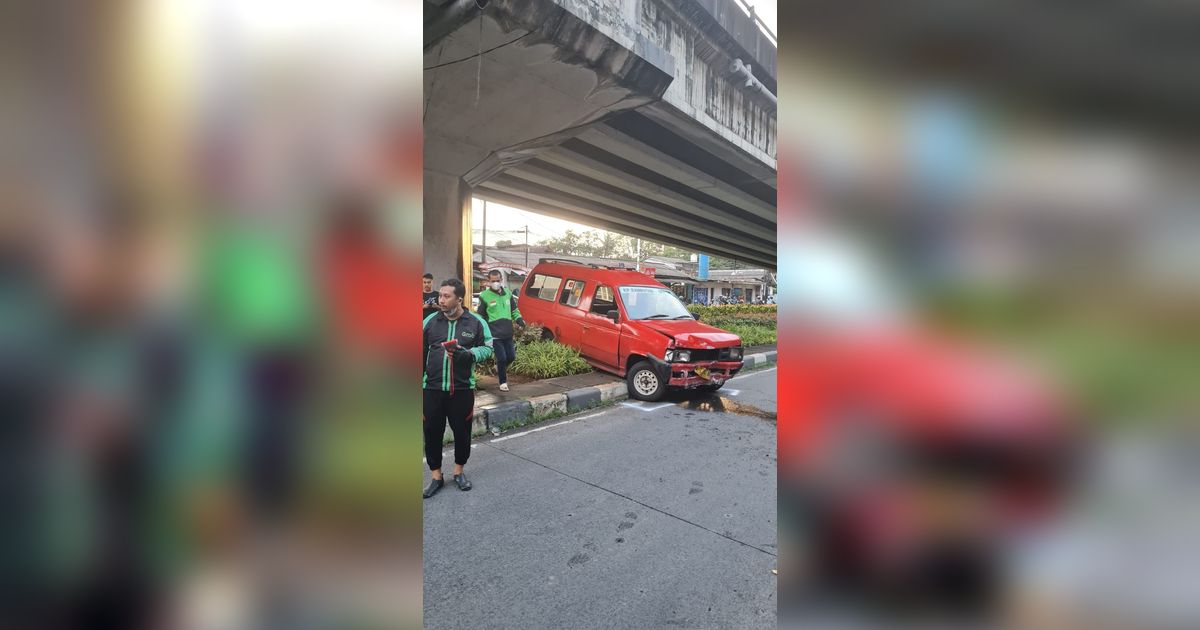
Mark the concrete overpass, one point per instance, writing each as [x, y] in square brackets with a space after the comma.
[654, 118]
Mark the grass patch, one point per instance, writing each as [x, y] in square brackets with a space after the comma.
[734, 309]
[538, 359]
[754, 323]
[548, 359]
[1115, 361]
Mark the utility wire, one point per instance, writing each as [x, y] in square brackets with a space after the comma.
[480, 54]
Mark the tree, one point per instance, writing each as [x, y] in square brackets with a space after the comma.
[571, 243]
[503, 244]
[725, 263]
[604, 244]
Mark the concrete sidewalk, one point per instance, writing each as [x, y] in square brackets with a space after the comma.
[529, 402]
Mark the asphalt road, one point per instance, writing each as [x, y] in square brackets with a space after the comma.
[639, 515]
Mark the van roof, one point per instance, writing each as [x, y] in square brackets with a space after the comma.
[578, 271]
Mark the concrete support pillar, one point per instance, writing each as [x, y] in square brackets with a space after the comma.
[447, 216]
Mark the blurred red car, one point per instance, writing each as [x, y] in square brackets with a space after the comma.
[913, 457]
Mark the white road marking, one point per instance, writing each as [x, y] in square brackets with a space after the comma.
[731, 392]
[523, 433]
[754, 373]
[543, 428]
[643, 407]
[450, 451]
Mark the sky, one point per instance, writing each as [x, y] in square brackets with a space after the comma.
[768, 11]
[502, 221]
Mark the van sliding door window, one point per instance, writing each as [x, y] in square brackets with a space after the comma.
[544, 287]
[572, 293]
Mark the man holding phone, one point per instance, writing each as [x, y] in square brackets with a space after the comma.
[454, 339]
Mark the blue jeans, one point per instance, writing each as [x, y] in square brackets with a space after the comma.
[506, 352]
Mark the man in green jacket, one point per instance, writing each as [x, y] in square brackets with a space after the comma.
[453, 340]
[498, 307]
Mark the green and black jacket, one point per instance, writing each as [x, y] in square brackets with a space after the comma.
[441, 372]
[499, 310]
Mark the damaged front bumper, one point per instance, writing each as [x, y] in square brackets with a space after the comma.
[696, 374]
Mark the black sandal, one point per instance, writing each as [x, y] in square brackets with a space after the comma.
[461, 480]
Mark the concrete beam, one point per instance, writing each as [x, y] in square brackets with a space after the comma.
[555, 179]
[546, 73]
[524, 195]
[706, 139]
[448, 18]
[733, 29]
[661, 223]
[572, 160]
[635, 150]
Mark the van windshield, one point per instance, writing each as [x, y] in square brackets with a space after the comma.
[652, 303]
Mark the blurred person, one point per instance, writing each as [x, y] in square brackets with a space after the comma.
[99, 381]
[498, 307]
[429, 297]
[362, 282]
[454, 339]
[260, 301]
[260, 310]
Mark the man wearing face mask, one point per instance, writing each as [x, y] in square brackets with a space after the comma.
[454, 339]
[498, 307]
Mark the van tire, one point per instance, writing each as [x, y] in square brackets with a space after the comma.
[547, 334]
[644, 383]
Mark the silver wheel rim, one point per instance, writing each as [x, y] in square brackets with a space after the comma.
[645, 382]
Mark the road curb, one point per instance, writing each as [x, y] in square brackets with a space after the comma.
[758, 360]
[583, 398]
[548, 404]
[613, 391]
[524, 411]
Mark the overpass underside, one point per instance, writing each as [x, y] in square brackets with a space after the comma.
[558, 118]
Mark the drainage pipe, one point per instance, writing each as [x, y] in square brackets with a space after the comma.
[742, 72]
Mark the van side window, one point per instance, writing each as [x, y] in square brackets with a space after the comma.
[543, 287]
[603, 301]
[572, 293]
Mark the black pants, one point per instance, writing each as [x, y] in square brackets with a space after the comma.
[459, 409]
[506, 353]
[276, 389]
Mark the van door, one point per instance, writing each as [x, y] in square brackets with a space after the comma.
[601, 337]
[571, 322]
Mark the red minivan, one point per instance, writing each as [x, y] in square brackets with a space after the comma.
[623, 321]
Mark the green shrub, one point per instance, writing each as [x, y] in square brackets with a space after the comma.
[530, 334]
[732, 309]
[523, 337]
[548, 359]
[754, 323]
[753, 335]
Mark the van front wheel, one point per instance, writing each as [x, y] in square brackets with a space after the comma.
[644, 383]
